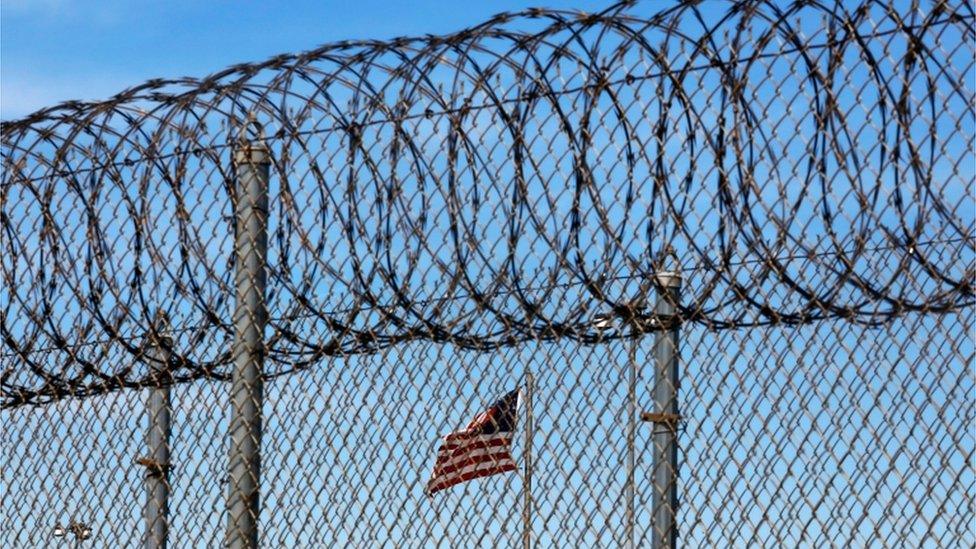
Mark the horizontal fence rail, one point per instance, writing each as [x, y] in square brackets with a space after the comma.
[421, 225]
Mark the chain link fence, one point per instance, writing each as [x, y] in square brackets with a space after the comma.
[446, 215]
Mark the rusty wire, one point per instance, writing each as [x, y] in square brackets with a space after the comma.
[796, 161]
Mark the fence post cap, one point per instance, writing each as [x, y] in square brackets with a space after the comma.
[252, 152]
[668, 279]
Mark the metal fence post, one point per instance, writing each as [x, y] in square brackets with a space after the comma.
[252, 161]
[157, 463]
[527, 478]
[665, 416]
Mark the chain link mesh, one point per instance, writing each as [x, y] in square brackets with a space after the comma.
[447, 214]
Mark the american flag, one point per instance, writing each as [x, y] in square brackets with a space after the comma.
[482, 449]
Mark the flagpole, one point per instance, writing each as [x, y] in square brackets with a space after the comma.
[631, 441]
[527, 464]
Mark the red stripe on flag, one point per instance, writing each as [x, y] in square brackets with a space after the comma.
[447, 453]
[467, 460]
[438, 484]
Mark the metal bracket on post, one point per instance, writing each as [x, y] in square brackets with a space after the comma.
[665, 395]
[251, 161]
[669, 421]
[154, 469]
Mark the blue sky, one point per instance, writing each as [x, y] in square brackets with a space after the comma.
[56, 50]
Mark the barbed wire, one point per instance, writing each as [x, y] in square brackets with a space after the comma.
[499, 185]
[169, 332]
[629, 79]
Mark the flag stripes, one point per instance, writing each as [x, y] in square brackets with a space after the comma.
[475, 449]
[480, 450]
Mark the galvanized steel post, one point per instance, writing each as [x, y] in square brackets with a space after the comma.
[252, 161]
[157, 463]
[665, 415]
